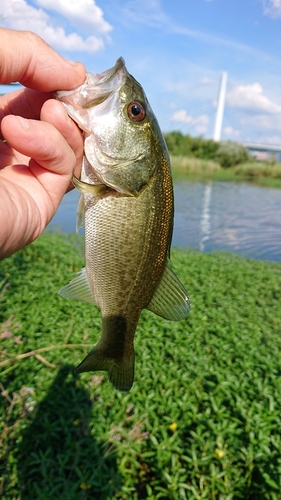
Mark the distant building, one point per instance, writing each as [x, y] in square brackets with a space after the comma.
[263, 156]
[264, 152]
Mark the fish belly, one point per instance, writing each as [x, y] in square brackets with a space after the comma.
[126, 244]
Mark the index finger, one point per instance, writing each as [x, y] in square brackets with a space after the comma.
[27, 58]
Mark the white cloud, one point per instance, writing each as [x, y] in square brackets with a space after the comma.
[147, 12]
[18, 14]
[206, 80]
[262, 122]
[199, 123]
[255, 112]
[273, 139]
[182, 116]
[151, 13]
[82, 13]
[252, 98]
[231, 132]
[272, 8]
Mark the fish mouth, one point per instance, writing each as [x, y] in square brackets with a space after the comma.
[107, 83]
[109, 73]
[96, 88]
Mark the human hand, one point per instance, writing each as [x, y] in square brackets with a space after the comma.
[43, 146]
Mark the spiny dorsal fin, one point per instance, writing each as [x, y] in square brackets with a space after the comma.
[170, 299]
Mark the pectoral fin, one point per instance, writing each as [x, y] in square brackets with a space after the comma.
[80, 214]
[170, 299]
[86, 188]
[78, 289]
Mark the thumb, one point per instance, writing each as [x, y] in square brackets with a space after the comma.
[27, 58]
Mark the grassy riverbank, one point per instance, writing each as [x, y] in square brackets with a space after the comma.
[262, 173]
[203, 418]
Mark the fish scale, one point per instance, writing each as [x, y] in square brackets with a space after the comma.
[126, 244]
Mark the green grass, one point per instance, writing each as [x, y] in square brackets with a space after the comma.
[262, 173]
[190, 165]
[203, 420]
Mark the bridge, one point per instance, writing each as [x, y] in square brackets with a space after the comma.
[263, 148]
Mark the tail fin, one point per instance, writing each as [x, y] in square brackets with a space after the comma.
[120, 371]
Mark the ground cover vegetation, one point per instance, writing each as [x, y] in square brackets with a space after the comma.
[195, 157]
[203, 418]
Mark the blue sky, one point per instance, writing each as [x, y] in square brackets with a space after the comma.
[177, 50]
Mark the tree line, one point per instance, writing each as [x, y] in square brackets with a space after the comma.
[227, 153]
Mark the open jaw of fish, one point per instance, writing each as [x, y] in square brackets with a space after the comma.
[127, 208]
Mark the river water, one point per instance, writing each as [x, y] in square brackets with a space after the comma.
[239, 217]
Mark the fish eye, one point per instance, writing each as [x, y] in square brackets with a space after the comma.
[136, 111]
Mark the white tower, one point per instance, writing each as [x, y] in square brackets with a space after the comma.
[220, 107]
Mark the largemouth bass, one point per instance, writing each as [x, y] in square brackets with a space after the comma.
[127, 206]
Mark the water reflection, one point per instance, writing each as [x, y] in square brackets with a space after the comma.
[232, 216]
[217, 215]
[206, 217]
